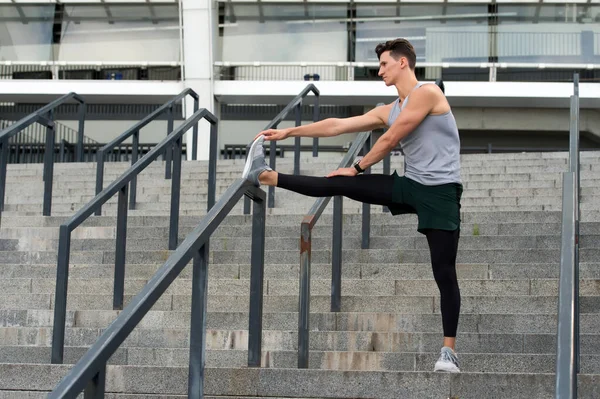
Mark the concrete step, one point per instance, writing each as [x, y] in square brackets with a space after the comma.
[318, 270]
[494, 271]
[232, 243]
[368, 256]
[321, 230]
[342, 321]
[322, 360]
[319, 340]
[267, 382]
[281, 286]
[196, 194]
[522, 304]
[279, 220]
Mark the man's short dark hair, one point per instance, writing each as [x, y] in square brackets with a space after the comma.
[398, 48]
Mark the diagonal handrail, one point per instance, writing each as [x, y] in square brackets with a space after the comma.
[89, 372]
[121, 186]
[306, 227]
[135, 132]
[567, 349]
[295, 104]
[44, 116]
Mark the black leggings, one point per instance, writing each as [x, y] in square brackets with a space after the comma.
[377, 189]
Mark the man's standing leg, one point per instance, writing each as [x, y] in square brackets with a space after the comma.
[443, 246]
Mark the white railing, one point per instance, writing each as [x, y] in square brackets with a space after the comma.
[54, 68]
[341, 71]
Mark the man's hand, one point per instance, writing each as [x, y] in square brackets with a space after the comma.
[274, 134]
[343, 172]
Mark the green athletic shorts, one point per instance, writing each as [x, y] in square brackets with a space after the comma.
[437, 207]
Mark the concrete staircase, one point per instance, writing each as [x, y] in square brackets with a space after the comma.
[384, 342]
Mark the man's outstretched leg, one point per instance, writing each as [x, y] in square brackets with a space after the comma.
[373, 189]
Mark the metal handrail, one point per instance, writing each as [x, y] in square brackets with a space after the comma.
[44, 116]
[306, 227]
[296, 104]
[121, 186]
[49, 110]
[89, 372]
[567, 350]
[135, 132]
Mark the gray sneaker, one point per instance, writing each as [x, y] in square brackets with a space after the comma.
[448, 361]
[255, 163]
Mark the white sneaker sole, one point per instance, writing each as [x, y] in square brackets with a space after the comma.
[249, 160]
[446, 367]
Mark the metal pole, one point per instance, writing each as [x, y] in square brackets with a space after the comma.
[212, 166]
[99, 177]
[336, 255]
[366, 208]
[316, 119]
[134, 159]
[304, 305]
[96, 387]
[60, 296]
[566, 354]
[169, 149]
[198, 324]
[120, 250]
[298, 110]
[175, 195]
[48, 169]
[81, 117]
[272, 161]
[247, 199]
[256, 283]
[195, 133]
[3, 166]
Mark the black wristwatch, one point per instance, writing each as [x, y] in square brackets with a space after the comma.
[358, 168]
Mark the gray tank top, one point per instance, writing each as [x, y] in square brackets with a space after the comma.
[432, 150]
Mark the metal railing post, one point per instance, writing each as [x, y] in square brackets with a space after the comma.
[195, 132]
[366, 208]
[60, 296]
[80, 135]
[120, 250]
[336, 254]
[49, 167]
[566, 356]
[175, 195]
[169, 150]
[4, 144]
[304, 300]
[134, 158]
[257, 283]
[99, 176]
[298, 111]
[198, 324]
[212, 166]
[272, 164]
[316, 116]
[95, 389]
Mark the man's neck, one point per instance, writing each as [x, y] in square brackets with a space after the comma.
[404, 88]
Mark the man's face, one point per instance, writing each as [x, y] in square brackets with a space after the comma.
[390, 69]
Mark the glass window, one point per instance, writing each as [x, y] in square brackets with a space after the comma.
[558, 33]
[26, 33]
[127, 33]
[311, 32]
[438, 33]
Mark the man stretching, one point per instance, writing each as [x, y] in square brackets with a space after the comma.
[422, 122]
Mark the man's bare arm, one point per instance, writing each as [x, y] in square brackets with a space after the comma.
[330, 127]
